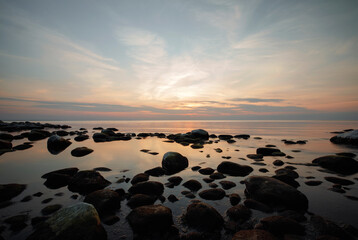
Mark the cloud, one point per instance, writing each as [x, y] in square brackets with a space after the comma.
[256, 100]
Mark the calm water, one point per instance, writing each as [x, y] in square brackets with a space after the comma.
[28, 166]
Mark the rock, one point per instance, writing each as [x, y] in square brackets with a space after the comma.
[87, 182]
[324, 226]
[234, 169]
[138, 200]
[100, 137]
[102, 169]
[217, 175]
[9, 191]
[242, 136]
[287, 172]
[275, 193]
[6, 137]
[76, 222]
[37, 220]
[176, 180]
[227, 184]
[225, 137]
[263, 170]
[287, 179]
[56, 144]
[299, 217]
[339, 164]
[200, 133]
[51, 209]
[104, 201]
[340, 181]
[278, 162]
[149, 188]
[346, 154]
[267, 151]
[209, 180]
[17, 222]
[213, 185]
[253, 234]
[239, 213]
[313, 183]
[5, 144]
[197, 146]
[349, 137]
[150, 218]
[172, 198]
[81, 151]
[206, 171]
[192, 184]
[195, 168]
[279, 225]
[26, 199]
[140, 177]
[59, 178]
[156, 172]
[174, 162]
[234, 199]
[255, 156]
[110, 220]
[212, 194]
[66, 171]
[81, 137]
[37, 134]
[47, 200]
[253, 204]
[38, 194]
[203, 217]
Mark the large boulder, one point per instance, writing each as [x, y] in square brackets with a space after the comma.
[138, 200]
[105, 201]
[239, 213]
[234, 169]
[275, 193]
[9, 191]
[59, 178]
[148, 188]
[200, 133]
[76, 222]
[140, 177]
[203, 217]
[85, 182]
[339, 164]
[350, 137]
[5, 144]
[174, 162]
[56, 144]
[37, 134]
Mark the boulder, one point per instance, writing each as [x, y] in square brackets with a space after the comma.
[279, 225]
[81, 151]
[227, 184]
[176, 180]
[138, 200]
[340, 181]
[140, 177]
[87, 181]
[275, 193]
[212, 194]
[267, 151]
[234, 199]
[174, 162]
[105, 201]
[66, 171]
[349, 137]
[234, 169]
[203, 217]
[81, 137]
[149, 188]
[9, 191]
[17, 222]
[339, 164]
[200, 133]
[156, 172]
[51, 209]
[253, 204]
[193, 185]
[5, 144]
[239, 213]
[76, 222]
[59, 178]
[6, 137]
[206, 171]
[56, 144]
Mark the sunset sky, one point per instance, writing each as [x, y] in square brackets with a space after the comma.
[178, 59]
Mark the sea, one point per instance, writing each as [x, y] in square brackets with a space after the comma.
[125, 160]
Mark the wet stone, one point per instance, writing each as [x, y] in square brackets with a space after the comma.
[195, 168]
[313, 183]
[193, 185]
[227, 184]
[212, 194]
[206, 171]
[51, 209]
[340, 181]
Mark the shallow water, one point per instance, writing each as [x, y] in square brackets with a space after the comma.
[29, 165]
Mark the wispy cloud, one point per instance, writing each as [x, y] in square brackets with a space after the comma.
[256, 100]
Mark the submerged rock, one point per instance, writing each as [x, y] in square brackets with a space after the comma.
[140, 177]
[212, 194]
[5, 144]
[234, 199]
[104, 201]
[56, 144]
[267, 151]
[203, 217]
[156, 172]
[149, 188]
[339, 164]
[206, 171]
[174, 162]
[275, 193]
[138, 200]
[76, 222]
[234, 169]
[87, 181]
[193, 185]
[81, 151]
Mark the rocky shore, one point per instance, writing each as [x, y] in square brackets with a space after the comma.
[285, 209]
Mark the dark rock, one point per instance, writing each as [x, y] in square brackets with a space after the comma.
[218, 150]
[212, 136]
[351, 197]
[37, 220]
[87, 182]
[213, 185]
[6, 137]
[278, 162]
[340, 181]
[200, 133]
[225, 137]
[206, 171]
[208, 180]
[38, 194]
[297, 216]
[326, 227]
[189, 195]
[197, 146]
[140, 177]
[253, 234]
[66, 171]
[77, 222]
[275, 193]
[267, 151]
[349, 137]
[172, 198]
[27, 198]
[81, 151]
[9, 191]
[22, 147]
[203, 217]
[287, 172]
[346, 154]
[255, 156]
[81, 137]
[51, 209]
[174, 162]
[279, 225]
[150, 218]
[195, 168]
[253, 204]
[149, 188]
[239, 213]
[156, 172]
[234, 169]
[17, 222]
[192, 184]
[212, 194]
[102, 169]
[176, 180]
[217, 175]
[104, 200]
[227, 184]
[138, 200]
[57, 180]
[37, 134]
[56, 144]
[110, 220]
[339, 164]
[47, 200]
[263, 170]
[287, 179]
[242, 136]
[313, 183]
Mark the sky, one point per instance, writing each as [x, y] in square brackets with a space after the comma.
[178, 60]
